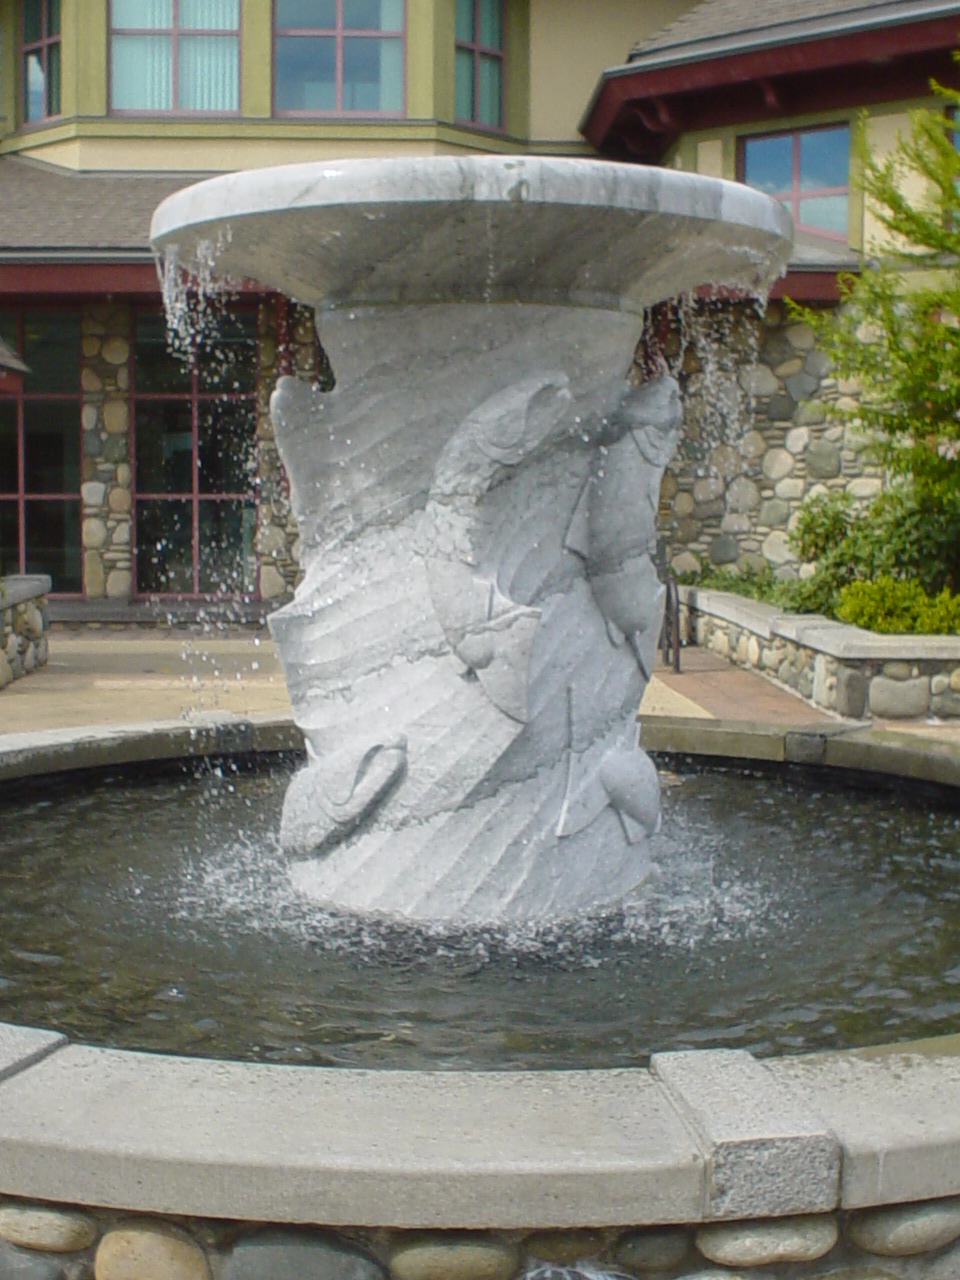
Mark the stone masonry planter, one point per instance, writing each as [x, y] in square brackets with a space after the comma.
[23, 625]
[840, 668]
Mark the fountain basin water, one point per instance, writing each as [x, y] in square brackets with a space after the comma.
[477, 502]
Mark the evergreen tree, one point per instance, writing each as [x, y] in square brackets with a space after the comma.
[897, 331]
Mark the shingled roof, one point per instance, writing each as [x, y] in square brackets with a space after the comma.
[716, 26]
[50, 212]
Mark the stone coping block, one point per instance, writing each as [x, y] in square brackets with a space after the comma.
[20, 587]
[726, 739]
[768, 1153]
[757, 615]
[21, 1047]
[345, 1147]
[702, 1136]
[43, 751]
[896, 1113]
[834, 639]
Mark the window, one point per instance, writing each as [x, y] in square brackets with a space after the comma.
[479, 71]
[175, 55]
[194, 446]
[809, 170]
[40, 431]
[41, 59]
[339, 57]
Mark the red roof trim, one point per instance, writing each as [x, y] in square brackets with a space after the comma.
[674, 86]
[66, 279]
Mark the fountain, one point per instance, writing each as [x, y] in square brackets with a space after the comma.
[477, 503]
[472, 633]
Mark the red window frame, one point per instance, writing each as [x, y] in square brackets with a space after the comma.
[794, 194]
[197, 397]
[174, 33]
[478, 52]
[339, 33]
[14, 390]
[48, 39]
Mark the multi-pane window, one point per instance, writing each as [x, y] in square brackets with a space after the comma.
[809, 170]
[194, 462]
[339, 57]
[175, 55]
[479, 67]
[40, 462]
[41, 59]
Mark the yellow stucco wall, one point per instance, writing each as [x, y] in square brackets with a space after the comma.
[881, 131]
[8, 101]
[571, 43]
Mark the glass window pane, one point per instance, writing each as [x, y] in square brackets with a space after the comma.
[164, 446]
[825, 158]
[491, 32]
[35, 90]
[8, 446]
[228, 563]
[373, 15]
[9, 538]
[488, 92]
[824, 213]
[154, 367]
[53, 17]
[210, 15]
[164, 547]
[52, 350]
[53, 79]
[306, 69]
[143, 14]
[208, 73]
[51, 446]
[225, 447]
[465, 21]
[10, 330]
[768, 163]
[372, 75]
[141, 71]
[464, 84]
[32, 21]
[52, 542]
[229, 361]
[310, 15]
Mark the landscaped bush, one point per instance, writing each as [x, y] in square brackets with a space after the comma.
[897, 605]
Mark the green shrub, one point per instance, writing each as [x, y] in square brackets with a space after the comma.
[899, 605]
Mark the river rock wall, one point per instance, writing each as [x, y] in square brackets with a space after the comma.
[918, 1241]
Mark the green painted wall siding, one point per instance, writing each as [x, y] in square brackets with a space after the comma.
[256, 59]
[8, 42]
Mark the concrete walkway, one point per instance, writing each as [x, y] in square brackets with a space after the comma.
[99, 675]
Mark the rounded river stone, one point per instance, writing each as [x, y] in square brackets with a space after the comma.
[149, 1252]
[653, 1250]
[455, 1259]
[755, 1244]
[298, 1255]
[38, 1227]
[564, 1246]
[906, 1229]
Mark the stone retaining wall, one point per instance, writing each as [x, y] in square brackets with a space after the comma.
[840, 668]
[23, 625]
[41, 1241]
[758, 442]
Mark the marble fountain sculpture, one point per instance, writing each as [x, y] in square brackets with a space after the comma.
[477, 502]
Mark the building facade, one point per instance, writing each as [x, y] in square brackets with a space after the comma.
[148, 484]
[779, 99]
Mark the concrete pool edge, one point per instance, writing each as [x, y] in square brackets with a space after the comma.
[699, 1137]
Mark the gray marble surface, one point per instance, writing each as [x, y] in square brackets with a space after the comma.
[477, 504]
